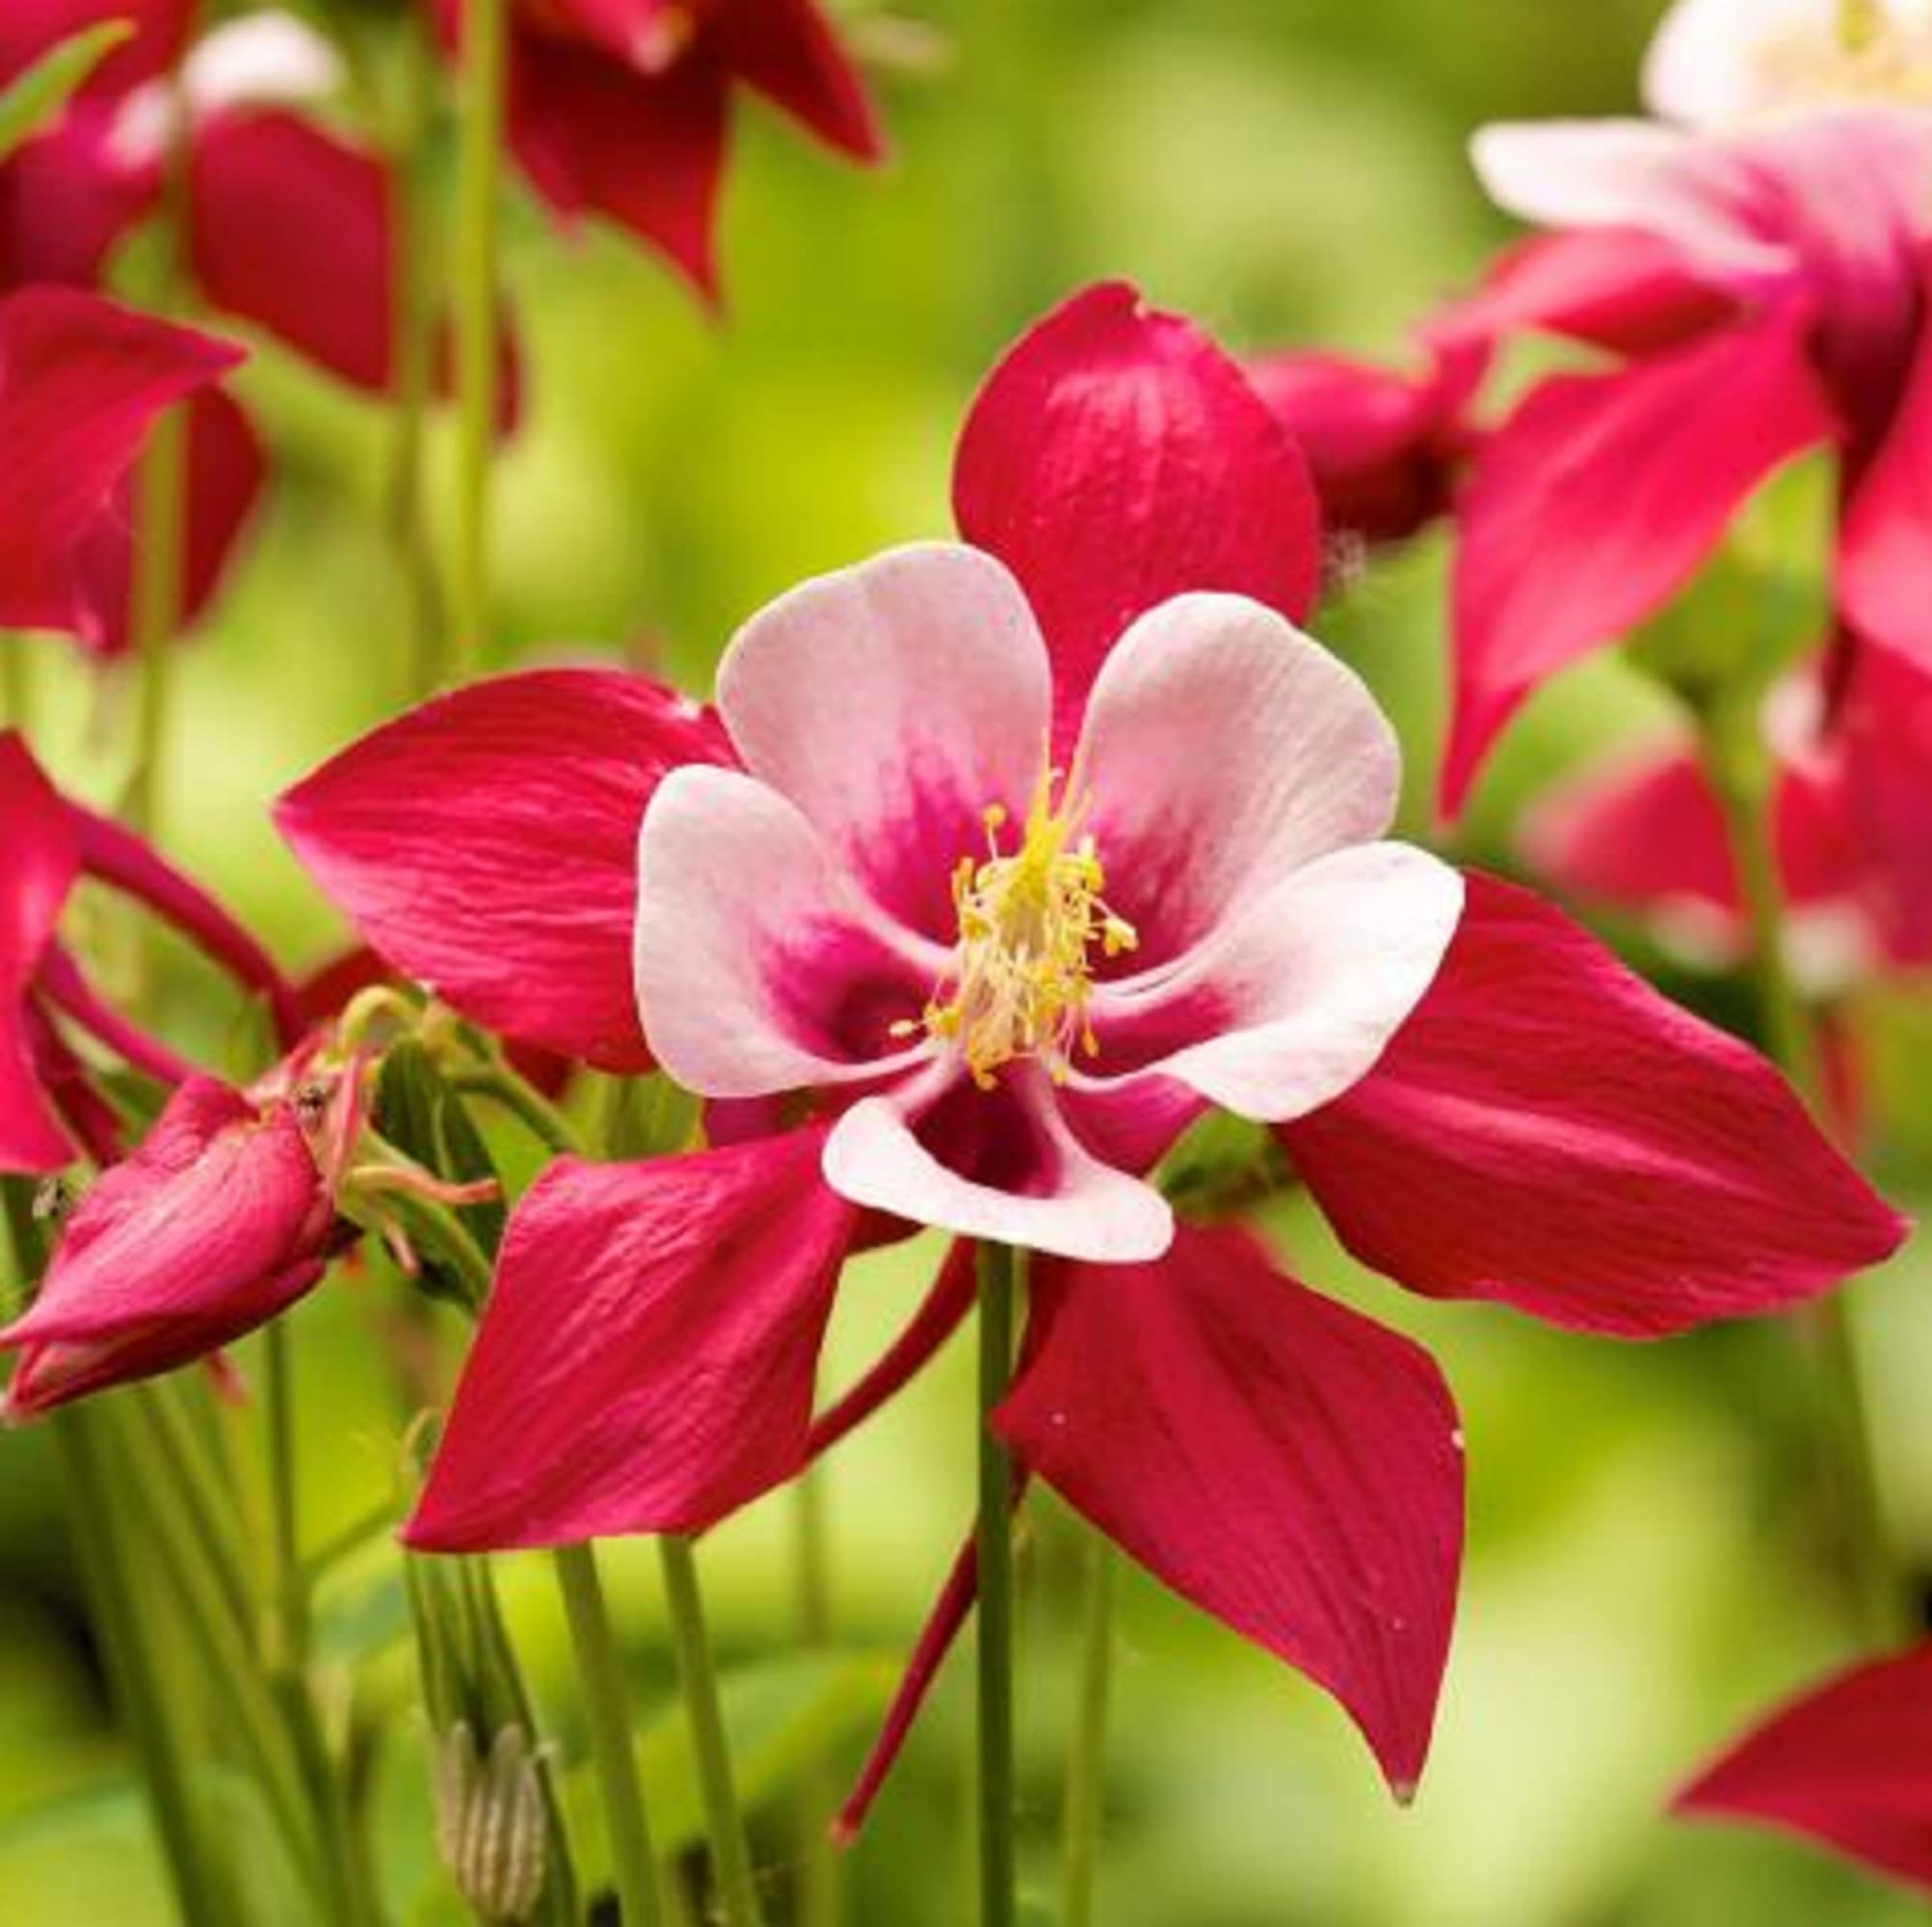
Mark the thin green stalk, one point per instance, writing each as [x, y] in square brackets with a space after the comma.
[522, 1100]
[171, 1441]
[606, 1704]
[288, 1589]
[1744, 796]
[999, 1271]
[414, 323]
[479, 193]
[161, 510]
[1087, 1759]
[724, 1823]
[821, 1888]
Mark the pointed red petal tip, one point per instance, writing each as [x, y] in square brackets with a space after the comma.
[1117, 457]
[486, 845]
[1278, 1460]
[1844, 1765]
[1549, 1130]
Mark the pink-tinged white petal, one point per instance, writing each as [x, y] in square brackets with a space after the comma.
[892, 703]
[1700, 195]
[1000, 1164]
[759, 966]
[1222, 749]
[1280, 1461]
[1598, 500]
[485, 844]
[81, 381]
[41, 865]
[1707, 63]
[211, 1227]
[1848, 1765]
[647, 1359]
[1549, 1130]
[1117, 458]
[1295, 997]
[259, 60]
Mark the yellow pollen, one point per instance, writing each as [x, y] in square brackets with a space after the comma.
[1029, 922]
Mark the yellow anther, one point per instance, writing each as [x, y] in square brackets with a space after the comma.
[1029, 920]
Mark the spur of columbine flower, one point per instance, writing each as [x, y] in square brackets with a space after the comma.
[48, 1108]
[622, 108]
[812, 901]
[1844, 1764]
[1760, 276]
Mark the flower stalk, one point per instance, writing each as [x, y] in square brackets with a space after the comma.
[606, 1701]
[479, 193]
[1000, 1269]
[1086, 1761]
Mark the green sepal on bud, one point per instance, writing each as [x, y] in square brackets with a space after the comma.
[490, 1821]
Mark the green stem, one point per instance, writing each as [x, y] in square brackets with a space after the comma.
[289, 1589]
[607, 1710]
[1740, 780]
[1087, 1759]
[999, 1269]
[821, 1901]
[412, 325]
[724, 1823]
[172, 1446]
[501, 1085]
[479, 191]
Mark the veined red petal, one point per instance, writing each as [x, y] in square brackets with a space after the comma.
[1286, 1465]
[1598, 498]
[647, 1359]
[1117, 458]
[1549, 1130]
[81, 381]
[485, 844]
[1848, 1764]
[43, 862]
[226, 468]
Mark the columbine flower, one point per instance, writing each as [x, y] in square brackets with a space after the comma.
[1764, 284]
[823, 906]
[1853, 814]
[46, 1105]
[1844, 1764]
[622, 108]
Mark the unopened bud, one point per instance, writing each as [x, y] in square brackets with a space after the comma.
[490, 1821]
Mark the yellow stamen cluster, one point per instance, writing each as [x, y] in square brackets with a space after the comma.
[1872, 55]
[1029, 922]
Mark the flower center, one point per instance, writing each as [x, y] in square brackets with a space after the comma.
[1030, 920]
[1870, 56]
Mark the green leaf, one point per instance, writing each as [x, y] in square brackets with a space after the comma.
[36, 99]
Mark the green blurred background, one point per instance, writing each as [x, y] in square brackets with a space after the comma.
[1644, 1575]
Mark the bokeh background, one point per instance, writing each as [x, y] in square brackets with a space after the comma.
[1645, 1571]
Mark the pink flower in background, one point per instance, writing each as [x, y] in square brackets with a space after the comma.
[823, 908]
[1848, 1764]
[1854, 829]
[1764, 283]
[81, 384]
[622, 108]
[48, 1109]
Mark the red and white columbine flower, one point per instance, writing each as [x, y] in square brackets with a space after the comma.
[821, 906]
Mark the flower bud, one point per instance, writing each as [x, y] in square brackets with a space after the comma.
[491, 1822]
